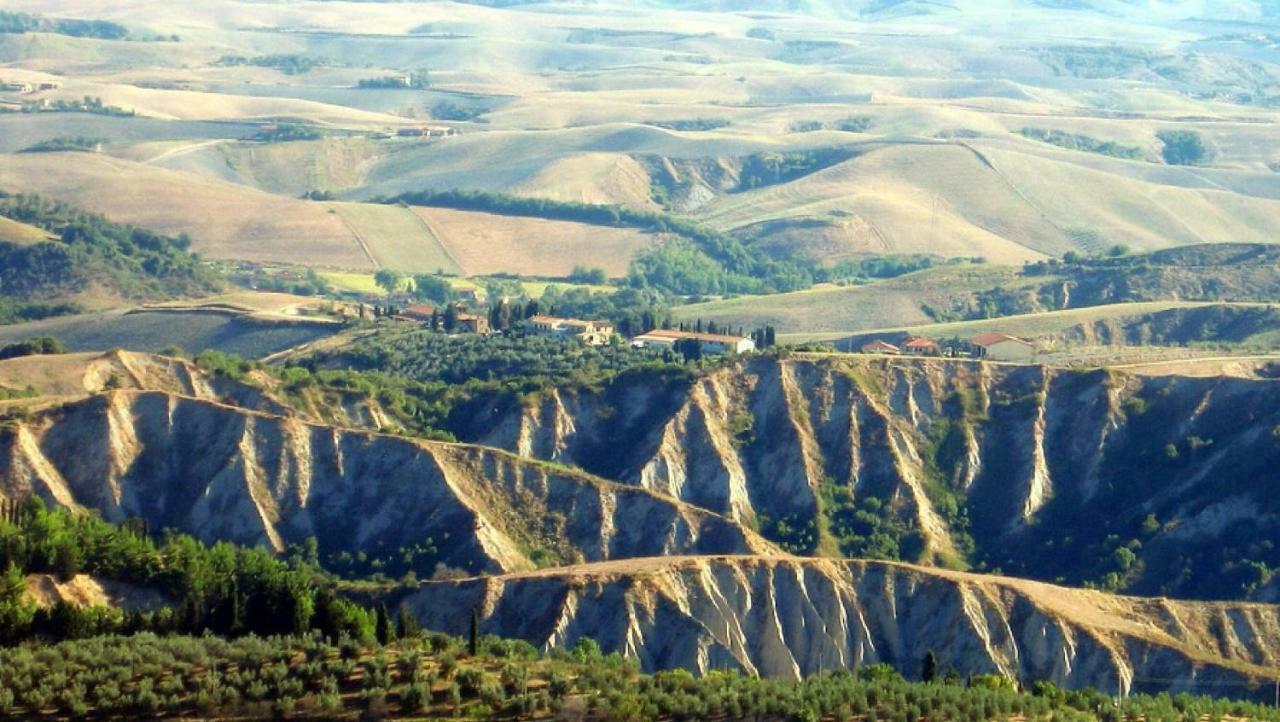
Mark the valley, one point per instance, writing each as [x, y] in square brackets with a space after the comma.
[640, 360]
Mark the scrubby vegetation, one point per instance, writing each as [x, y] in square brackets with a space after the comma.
[59, 145]
[41, 345]
[89, 249]
[691, 124]
[1088, 144]
[287, 132]
[888, 266]
[448, 110]
[764, 169]
[1183, 147]
[851, 124]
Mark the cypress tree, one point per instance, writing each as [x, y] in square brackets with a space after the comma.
[473, 642]
[382, 625]
[929, 668]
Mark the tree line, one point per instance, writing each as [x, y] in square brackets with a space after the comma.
[223, 589]
[88, 248]
[19, 23]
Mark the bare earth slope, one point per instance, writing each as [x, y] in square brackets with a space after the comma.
[225, 473]
[788, 617]
[1037, 471]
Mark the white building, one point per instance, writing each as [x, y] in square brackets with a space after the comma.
[1001, 347]
[710, 343]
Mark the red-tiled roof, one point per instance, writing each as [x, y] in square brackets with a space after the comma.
[992, 338]
[419, 310]
[920, 343]
[880, 346]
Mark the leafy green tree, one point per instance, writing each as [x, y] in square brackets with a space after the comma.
[388, 280]
[407, 626]
[434, 289]
[16, 611]
[582, 274]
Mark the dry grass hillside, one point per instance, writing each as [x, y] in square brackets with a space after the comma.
[578, 103]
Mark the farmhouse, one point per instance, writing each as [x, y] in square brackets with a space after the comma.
[14, 86]
[592, 333]
[418, 313]
[426, 131]
[1002, 347]
[472, 323]
[881, 347]
[917, 346]
[710, 343]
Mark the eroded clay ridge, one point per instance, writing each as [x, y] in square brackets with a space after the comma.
[226, 473]
[1031, 455]
[788, 617]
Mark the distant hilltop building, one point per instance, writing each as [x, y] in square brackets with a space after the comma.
[592, 333]
[1002, 347]
[426, 131]
[709, 343]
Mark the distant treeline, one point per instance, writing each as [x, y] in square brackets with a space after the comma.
[87, 104]
[690, 124]
[58, 145]
[1089, 144]
[765, 169]
[89, 249]
[11, 22]
[707, 262]
[287, 64]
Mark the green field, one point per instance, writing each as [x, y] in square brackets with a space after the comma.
[397, 238]
[834, 310]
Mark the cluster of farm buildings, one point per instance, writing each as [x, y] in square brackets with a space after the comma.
[991, 345]
[24, 87]
[591, 333]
